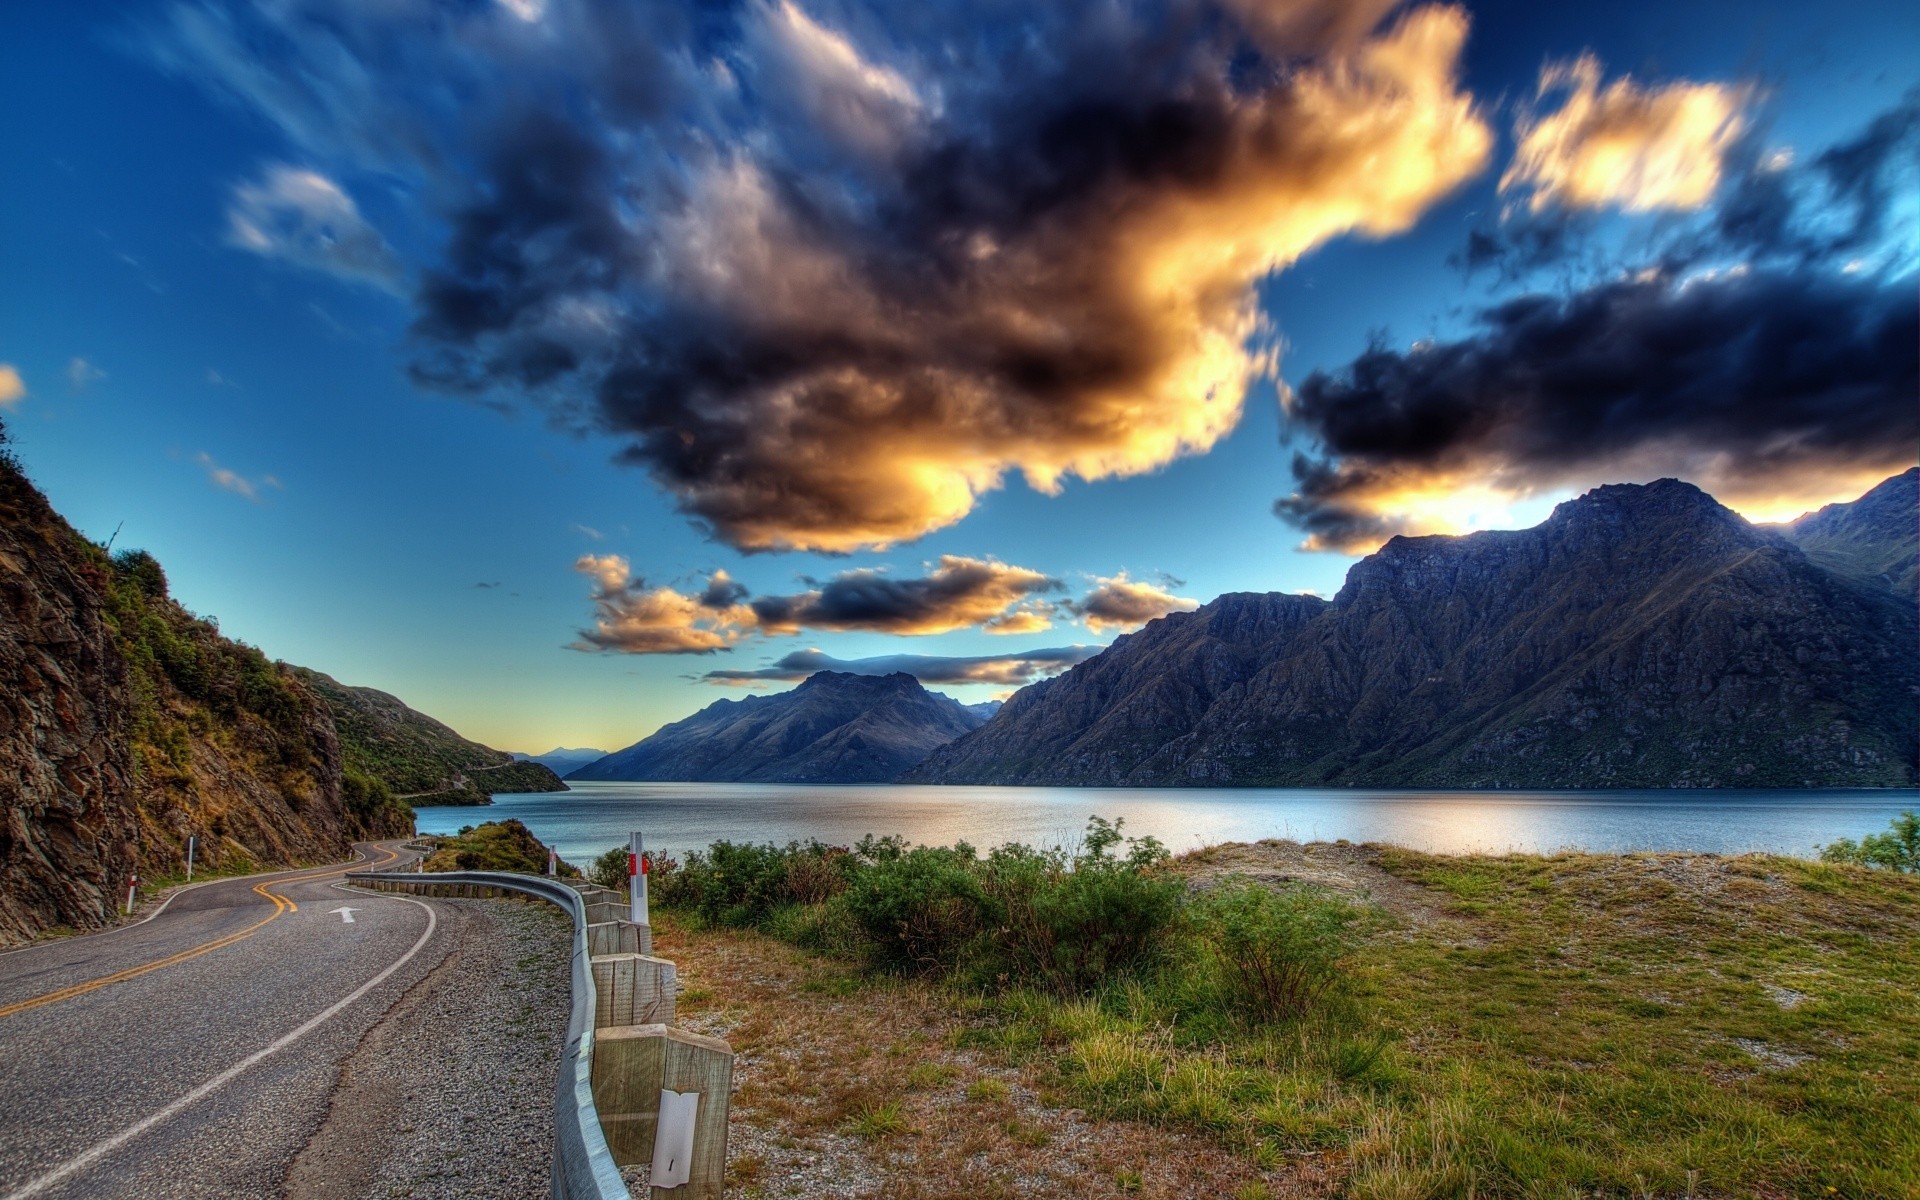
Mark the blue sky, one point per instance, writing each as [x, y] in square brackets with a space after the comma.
[252, 421]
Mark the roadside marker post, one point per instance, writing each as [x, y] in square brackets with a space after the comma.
[133, 884]
[192, 840]
[553, 863]
[637, 879]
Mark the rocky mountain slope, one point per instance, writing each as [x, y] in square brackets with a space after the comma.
[833, 728]
[418, 757]
[1872, 539]
[128, 724]
[1642, 636]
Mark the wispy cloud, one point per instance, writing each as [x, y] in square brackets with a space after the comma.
[302, 217]
[232, 481]
[13, 389]
[1638, 148]
[81, 373]
[590, 532]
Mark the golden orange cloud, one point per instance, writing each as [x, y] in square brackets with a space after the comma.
[1627, 146]
[1121, 603]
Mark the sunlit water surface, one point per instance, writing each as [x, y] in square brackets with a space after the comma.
[677, 817]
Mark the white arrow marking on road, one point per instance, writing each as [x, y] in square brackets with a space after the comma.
[346, 914]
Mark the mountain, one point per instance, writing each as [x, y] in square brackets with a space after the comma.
[562, 759]
[985, 709]
[833, 728]
[1642, 636]
[1871, 539]
[127, 724]
[419, 758]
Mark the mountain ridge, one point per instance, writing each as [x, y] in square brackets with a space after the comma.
[1643, 635]
[835, 727]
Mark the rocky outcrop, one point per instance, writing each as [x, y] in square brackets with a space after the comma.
[66, 762]
[1643, 636]
[833, 728]
[127, 725]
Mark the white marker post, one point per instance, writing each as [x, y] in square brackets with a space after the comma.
[553, 862]
[191, 839]
[133, 883]
[637, 880]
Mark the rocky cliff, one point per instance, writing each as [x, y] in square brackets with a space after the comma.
[1872, 539]
[127, 724]
[833, 728]
[1643, 636]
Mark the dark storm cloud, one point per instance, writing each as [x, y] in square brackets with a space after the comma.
[957, 593]
[829, 272]
[1761, 385]
[1010, 670]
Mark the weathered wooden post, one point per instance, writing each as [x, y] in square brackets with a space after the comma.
[618, 937]
[633, 989]
[599, 911]
[662, 1097]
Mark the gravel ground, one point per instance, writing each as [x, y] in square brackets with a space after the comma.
[451, 1096]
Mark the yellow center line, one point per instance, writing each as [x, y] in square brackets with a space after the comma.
[281, 906]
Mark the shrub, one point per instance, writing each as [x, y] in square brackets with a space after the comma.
[1279, 950]
[1074, 922]
[493, 846]
[610, 869]
[919, 908]
[1898, 849]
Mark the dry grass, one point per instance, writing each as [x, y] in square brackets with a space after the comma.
[849, 1086]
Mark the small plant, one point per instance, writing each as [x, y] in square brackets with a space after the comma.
[919, 909]
[930, 1075]
[1898, 849]
[877, 1120]
[1279, 950]
[610, 869]
[987, 1091]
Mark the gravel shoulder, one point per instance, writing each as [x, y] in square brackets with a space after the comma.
[450, 1097]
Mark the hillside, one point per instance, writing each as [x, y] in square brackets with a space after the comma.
[128, 724]
[562, 759]
[1871, 539]
[833, 728]
[1642, 636]
[418, 757]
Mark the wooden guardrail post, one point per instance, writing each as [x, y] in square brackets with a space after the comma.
[633, 989]
[618, 937]
[637, 1068]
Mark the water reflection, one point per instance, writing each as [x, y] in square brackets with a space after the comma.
[682, 816]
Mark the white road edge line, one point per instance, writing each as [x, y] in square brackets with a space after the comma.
[89, 1157]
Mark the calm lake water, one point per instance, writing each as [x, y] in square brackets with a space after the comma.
[677, 817]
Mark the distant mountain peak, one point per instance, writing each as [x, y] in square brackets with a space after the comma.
[835, 727]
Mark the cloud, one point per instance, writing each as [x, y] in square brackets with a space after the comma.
[1122, 603]
[1776, 389]
[13, 389]
[484, 586]
[232, 481]
[589, 532]
[1009, 670]
[631, 618]
[829, 273]
[81, 373]
[959, 592]
[302, 217]
[1627, 146]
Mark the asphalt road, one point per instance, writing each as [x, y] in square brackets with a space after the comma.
[194, 1054]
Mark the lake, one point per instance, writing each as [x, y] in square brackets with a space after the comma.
[677, 817]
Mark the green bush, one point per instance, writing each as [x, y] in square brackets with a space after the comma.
[1279, 951]
[610, 869]
[919, 909]
[1898, 849]
[1074, 922]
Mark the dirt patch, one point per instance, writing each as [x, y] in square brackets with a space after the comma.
[1351, 870]
[845, 1087]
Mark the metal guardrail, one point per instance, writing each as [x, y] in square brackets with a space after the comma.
[583, 1166]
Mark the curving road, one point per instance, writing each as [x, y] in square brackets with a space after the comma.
[193, 1054]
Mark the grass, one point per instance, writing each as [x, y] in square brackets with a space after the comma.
[1524, 1026]
[1572, 1025]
